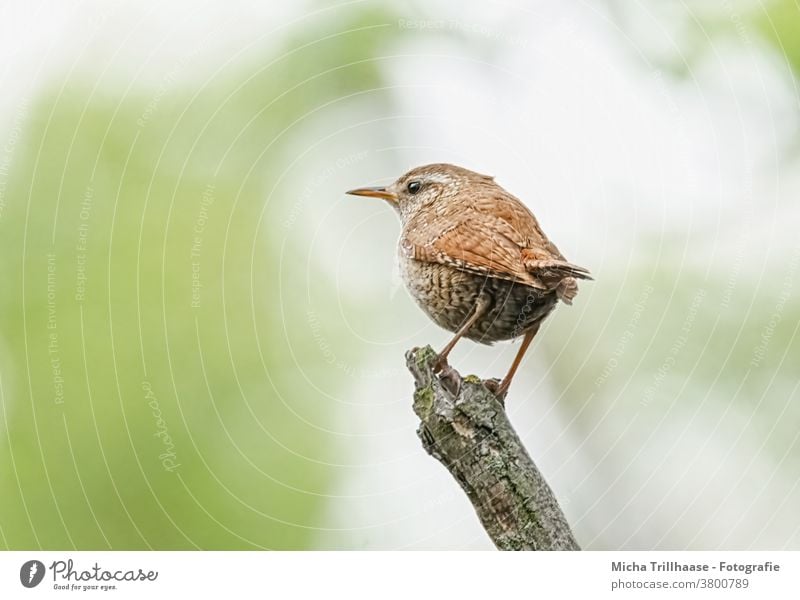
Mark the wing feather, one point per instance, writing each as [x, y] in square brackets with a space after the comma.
[497, 236]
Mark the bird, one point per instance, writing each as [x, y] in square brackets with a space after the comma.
[475, 258]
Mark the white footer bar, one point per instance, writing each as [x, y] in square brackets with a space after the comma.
[355, 575]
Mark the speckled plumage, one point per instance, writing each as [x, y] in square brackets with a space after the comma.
[448, 295]
[474, 257]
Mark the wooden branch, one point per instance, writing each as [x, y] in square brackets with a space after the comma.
[465, 427]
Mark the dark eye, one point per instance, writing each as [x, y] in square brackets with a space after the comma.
[414, 186]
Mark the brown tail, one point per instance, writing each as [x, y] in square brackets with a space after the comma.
[552, 268]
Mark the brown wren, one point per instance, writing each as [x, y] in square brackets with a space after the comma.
[475, 258]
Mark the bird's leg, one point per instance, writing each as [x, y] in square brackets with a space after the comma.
[481, 306]
[526, 342]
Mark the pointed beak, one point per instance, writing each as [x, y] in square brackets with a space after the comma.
[374, 192]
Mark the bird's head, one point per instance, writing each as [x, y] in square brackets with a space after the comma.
[424, 186]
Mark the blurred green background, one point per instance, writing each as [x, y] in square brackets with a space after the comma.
[201, 337]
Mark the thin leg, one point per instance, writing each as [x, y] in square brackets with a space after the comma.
[526, 341]
[481, 306]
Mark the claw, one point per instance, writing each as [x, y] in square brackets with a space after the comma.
[498, 389]
[440, 364]
[450, 380]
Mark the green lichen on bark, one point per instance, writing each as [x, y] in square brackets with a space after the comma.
[468, 431]
[423, 357]
[423, 401]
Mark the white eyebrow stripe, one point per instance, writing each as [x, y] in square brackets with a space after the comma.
[436, 177]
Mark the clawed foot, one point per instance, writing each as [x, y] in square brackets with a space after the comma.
[448, 376]
[450, 379]
[498, 389]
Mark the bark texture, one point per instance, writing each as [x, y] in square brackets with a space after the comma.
[465, 427]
